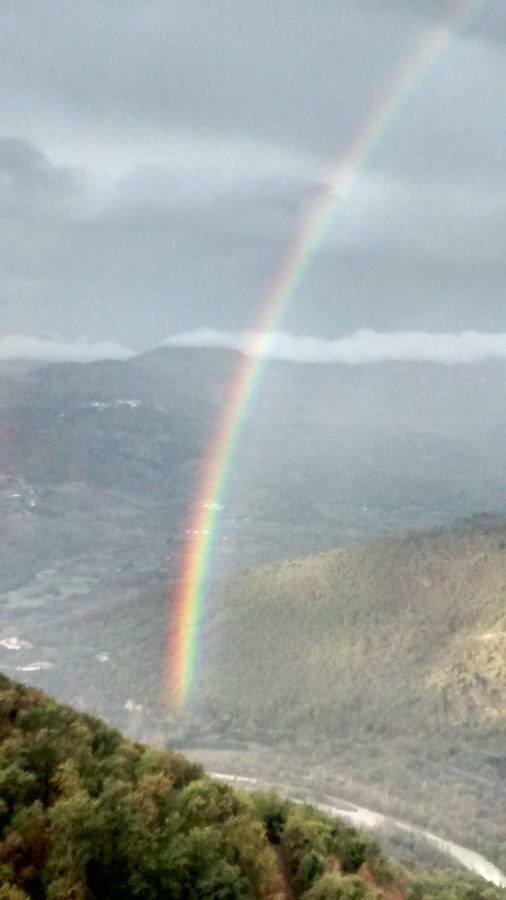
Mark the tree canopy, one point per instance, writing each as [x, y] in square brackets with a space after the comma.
[86, 813]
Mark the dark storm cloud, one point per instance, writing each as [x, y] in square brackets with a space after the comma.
[159, 159]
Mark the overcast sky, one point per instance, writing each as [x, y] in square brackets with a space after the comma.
[157, 160]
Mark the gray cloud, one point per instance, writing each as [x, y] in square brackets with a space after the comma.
[364, 346]
[158, 164]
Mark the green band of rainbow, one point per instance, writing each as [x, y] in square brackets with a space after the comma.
[188, 602]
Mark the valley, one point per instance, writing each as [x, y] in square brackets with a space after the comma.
[374, 670]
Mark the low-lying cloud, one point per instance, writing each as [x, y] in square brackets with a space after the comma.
[364, 346]
[22, 346]
[361, 347]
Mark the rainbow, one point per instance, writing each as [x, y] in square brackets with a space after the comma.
[336, 187]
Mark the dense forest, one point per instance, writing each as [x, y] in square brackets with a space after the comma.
[86, 813]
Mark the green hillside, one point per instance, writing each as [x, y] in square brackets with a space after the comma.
[369, 638]
[85, 813]
[378, 673]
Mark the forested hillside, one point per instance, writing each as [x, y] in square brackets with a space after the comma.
[367, 638]
[85, 813]
[379, 668]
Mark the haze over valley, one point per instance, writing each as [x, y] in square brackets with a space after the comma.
[384, 656]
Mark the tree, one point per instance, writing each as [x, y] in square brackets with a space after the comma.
[206, 802]
[332, 887]
[273, 811]
[11, 892]
[310, 869]
[73, 839]
[304, 833]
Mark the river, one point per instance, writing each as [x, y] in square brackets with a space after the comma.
[368, 818]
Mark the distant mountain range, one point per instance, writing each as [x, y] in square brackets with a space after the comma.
[329, 454]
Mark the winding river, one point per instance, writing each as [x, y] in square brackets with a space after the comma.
[368, 818]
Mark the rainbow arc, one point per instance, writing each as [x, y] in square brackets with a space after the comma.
[187, 605]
